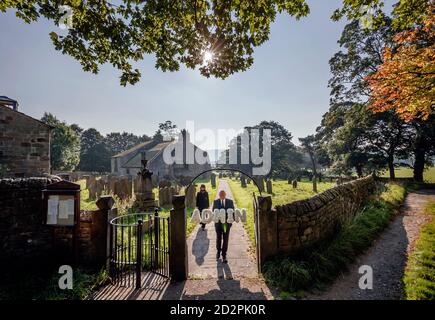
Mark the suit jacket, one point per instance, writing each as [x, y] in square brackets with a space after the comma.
[229, 204]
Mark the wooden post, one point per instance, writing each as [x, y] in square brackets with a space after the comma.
[267, 230]
[178, 267]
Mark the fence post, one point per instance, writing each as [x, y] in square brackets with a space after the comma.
[139, 255]
[156, 239]
[267, 230]
[101, 231]
[178, 268]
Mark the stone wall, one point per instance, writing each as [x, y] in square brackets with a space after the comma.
[305, 223]
[24, 144]
[22, 231]
[26, 241]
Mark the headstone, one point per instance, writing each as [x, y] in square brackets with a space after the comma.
[243, 181]
[145, 197]
[260, 182]
[269, 186]
[213, 180]
[190, 196]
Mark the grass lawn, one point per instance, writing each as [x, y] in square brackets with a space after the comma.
[420, 273]
[85, 203]
[429, 174]
[283, 193]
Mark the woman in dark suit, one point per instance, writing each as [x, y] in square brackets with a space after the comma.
[202, 201]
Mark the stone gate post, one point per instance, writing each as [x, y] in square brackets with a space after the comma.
[101, 230]
[267, 245]
[178, 267]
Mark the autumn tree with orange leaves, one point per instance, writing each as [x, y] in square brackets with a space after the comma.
[405, 81]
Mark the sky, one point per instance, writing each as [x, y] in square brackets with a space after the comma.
[287, 83]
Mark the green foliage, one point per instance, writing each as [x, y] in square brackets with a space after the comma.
[420, 273]
[118, 142]
[406, 13]
[94, 154]
[84, 283]
[175, 32]
[65, 144]
[314, 268]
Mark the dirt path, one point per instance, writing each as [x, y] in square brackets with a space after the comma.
[208, 279]
[387, 256]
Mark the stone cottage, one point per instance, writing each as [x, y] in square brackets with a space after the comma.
[129, 161]
[24, 142]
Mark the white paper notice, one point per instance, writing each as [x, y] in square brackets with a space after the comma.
[70, 204]
[52, 207]
[63, 209]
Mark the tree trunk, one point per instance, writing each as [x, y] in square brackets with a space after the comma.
[391, 167]
[419, 155]
[359, 171]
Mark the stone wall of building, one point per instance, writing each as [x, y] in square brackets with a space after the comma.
[305, 223]
[24, 145]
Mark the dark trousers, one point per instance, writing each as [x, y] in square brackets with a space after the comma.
[222, 246]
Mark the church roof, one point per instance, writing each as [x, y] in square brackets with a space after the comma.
[136, 148]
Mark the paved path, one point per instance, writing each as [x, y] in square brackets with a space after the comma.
[209, 279]
[202, 251]
[387, 256]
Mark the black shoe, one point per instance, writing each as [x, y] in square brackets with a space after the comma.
[224, 259]
[218, 255]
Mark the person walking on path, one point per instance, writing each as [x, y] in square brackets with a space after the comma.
[202, 201]
[222, 229]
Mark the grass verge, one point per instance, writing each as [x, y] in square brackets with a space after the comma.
[319, 266]
[419, 276]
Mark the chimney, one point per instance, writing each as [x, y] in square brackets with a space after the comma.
[5, 101]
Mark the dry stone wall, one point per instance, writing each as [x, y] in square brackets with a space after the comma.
[305, 223]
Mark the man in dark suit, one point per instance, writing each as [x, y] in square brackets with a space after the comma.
[222, 229]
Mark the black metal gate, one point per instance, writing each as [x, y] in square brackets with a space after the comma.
[139, 242]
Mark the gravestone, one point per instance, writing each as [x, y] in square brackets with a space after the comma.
[191, 196]
[145, 197]
[269, 186]
[243, 181]
[112, 184]
[260, 183]
[213, 180]
[165, 196]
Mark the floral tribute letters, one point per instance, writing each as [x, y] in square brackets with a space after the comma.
[208, 216]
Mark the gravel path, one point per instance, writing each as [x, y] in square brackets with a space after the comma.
[387, 256]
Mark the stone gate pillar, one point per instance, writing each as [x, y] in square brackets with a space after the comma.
[178, 267]
[267, 245]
